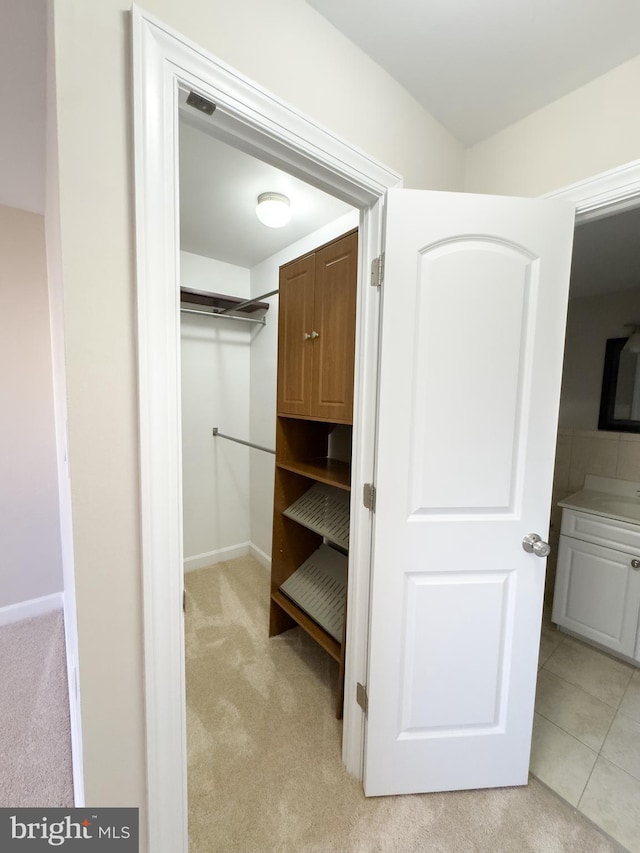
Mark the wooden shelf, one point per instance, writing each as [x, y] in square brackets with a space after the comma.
[219, 301]
[312, 628]
[334, 472]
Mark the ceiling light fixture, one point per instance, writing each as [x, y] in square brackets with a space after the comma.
[633, 342]
[273, 209]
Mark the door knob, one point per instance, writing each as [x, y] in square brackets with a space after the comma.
[635, 564]
[533, 544]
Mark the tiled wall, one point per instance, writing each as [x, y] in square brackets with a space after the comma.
[580, 452]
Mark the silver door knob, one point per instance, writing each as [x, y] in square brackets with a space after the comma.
[635, 564]
[533, 544]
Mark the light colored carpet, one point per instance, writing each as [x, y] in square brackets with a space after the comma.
[35, 740]
[265, 773]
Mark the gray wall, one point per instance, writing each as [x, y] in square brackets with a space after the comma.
[590, 321]
[30, 557]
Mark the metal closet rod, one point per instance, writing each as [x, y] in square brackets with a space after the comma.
[223, 316]
[219, 434]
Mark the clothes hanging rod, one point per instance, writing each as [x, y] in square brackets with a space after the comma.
[223, 316]
[249, 302]
[241, 441]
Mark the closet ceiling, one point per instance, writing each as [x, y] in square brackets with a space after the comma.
[479, 65]
[219, 188]
[606, 255]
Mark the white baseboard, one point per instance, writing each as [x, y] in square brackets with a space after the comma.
[260, 556]
[28, 609]
[210, 558]
[73, 685]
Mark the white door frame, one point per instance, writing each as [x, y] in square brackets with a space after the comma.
[262, 125]
[604, 194]
[257, 122]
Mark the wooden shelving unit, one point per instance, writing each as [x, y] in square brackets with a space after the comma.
[309, 564]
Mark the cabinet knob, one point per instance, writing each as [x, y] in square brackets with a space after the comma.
[635, 564]
[533, 544]
[306, 336]
[315, 335]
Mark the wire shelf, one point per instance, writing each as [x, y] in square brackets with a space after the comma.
[319, 588]
[324, 510]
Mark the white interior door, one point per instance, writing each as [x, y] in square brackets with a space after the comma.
[473, 321]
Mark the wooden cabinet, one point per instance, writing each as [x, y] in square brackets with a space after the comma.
[317, 310]
[316, 335]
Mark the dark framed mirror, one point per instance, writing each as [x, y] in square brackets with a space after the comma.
[620, 398]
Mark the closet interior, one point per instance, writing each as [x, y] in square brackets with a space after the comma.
[267, 354]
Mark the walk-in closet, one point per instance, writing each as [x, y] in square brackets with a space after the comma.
[267, 351]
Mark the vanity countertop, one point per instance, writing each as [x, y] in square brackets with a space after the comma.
[616, 499]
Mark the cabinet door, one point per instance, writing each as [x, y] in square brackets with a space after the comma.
[334, 321]
[295, 351]
[597, 594]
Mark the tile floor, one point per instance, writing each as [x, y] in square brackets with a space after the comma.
[586, 733]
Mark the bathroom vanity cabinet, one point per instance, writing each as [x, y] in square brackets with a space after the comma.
[597, 590]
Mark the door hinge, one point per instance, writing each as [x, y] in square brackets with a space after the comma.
[377, 271]
[369, 496]
[184, 601]
[362, 698]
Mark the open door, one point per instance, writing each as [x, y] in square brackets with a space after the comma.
[473, 321]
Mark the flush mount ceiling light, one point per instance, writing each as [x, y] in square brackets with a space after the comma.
[633, 342]
[273, 209]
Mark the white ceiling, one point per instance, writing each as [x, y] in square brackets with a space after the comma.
[219, 188]
[479, 65]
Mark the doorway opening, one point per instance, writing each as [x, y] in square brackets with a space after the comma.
[254, 705]
[587, 712]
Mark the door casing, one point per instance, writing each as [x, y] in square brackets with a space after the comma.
[166, 65]
[251, 118]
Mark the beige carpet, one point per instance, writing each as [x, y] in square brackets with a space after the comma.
[265, 773]
[35, 740]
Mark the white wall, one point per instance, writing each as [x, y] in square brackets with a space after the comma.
[215, 392]
[30, 555]
[590, 130]
[590, 321]
[264, 354]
